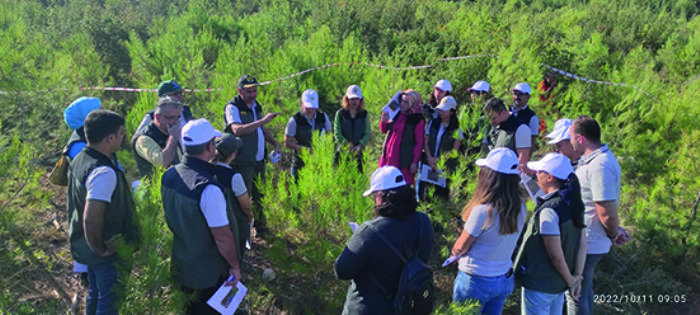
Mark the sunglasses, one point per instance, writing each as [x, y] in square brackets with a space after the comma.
[478, 93]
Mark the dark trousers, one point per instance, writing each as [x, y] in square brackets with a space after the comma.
[199, 305]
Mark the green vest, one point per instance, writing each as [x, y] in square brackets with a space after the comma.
[195, 262]
[532, 266]
[250, 141]
[118, 217]
[352, 129]
[504, 134]
[305, 133]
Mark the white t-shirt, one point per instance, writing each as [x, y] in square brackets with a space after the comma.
[237, 183]
[523, 138]
[489, 255]
[100, 184]
[599, 174]
[549, 222]
[213, 206]
[233, 116]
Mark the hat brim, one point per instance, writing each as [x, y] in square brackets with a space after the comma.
[536, 165]
[250, 85]
[557, 140]
[310, 105]
[368, 192]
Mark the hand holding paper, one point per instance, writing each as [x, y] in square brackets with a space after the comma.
[393, 106]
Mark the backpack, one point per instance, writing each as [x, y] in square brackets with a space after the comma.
[416, 293]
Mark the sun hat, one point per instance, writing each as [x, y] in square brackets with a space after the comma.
[560, 132]
[198, 131]
[385, 177]
[502, 160]
[309, 99]
[556, 164]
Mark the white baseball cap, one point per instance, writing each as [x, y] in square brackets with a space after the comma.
[353, 91]
[502, 160]
[560, 132]
[556, 164]
[523, 88]
[480, 86]
[310, 99]
[444, 85]
[198, 131]
[385, 177]
[447, 103]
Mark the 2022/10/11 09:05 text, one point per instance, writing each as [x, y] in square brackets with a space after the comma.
[639, 298]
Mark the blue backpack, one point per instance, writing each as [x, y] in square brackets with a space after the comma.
[416, 292]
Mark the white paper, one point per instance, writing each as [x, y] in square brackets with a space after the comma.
[434, 177]
[227, 299]
[533, 190]
[250, 236]
[393, 106]
[353, 226]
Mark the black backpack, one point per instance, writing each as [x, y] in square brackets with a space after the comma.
[416, 292]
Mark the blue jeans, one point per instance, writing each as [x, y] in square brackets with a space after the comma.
[536, 303]
[490, 292]
[584, 306]
[101, 297]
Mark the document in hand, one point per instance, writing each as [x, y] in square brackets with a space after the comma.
[533, 190]
[434, 177]
[227, 299]
[394, 105]
[353, 226]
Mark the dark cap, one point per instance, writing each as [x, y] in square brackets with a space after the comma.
[247, 81]
[228, 144]
[168, 87]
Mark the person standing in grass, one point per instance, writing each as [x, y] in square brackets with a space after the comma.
[170, 89]
[100, 209]
[551, 256]
[367, 261]
[405, 134]
[441, 89]
[243, 117]
[158, 145]
[205, 251]
[508, 131]
[599, 174]
[521, 110]
[440, 142]
[302, 126]
[234, 188]
[493, 219]
[352, 127]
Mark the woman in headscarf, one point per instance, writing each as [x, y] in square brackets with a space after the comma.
[405, 134]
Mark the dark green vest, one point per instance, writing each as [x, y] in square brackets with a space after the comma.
[447, 142]
[503, 135]
[223, 176]
[195, 262]
[352, 129]
[532, 266]
[152, 131]
[250, 141]
[304, 135]
[118, 217]
[408, 139]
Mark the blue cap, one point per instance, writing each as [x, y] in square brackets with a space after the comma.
[77, 111]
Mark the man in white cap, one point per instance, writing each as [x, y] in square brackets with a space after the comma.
[300, 128]
[204, 247]
[551, 256]
[521, 95]
[441, 89]
[599, 174]
[560, 138]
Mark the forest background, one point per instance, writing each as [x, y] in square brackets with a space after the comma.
[51, 48]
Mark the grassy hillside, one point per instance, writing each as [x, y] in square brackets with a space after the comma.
[51, 48]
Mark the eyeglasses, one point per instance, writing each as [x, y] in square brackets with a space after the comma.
[478, 93]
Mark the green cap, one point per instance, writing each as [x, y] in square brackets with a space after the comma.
[168, 87]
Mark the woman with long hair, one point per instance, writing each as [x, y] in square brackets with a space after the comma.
[441, 89]
[443, 136]
[493, 219]
[405, 134]
[352, 127]
[367, 261]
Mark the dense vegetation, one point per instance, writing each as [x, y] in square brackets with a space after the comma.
[50, 48]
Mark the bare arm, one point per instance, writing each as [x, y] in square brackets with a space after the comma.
[581, 255]
[607, 212]
[93, 227]
[552, 244]
[246, 206]
[523, 158]
[226, 245]
[463, 244]
[291, 143]
[241, 129]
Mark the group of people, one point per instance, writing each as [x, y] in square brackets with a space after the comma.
[211, 198]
